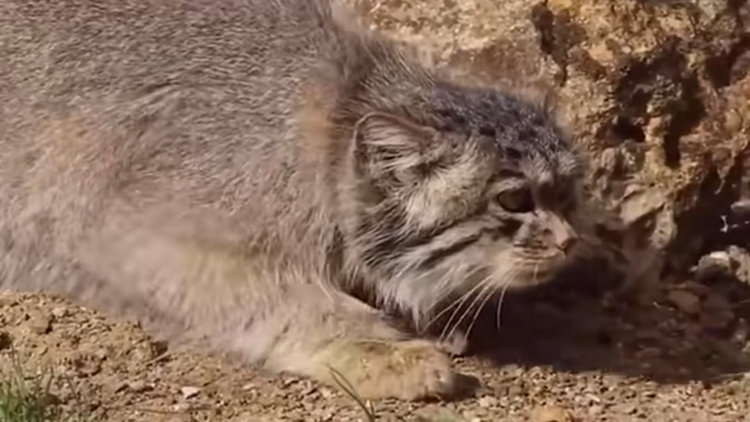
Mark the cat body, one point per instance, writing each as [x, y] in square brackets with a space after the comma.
[272, 177]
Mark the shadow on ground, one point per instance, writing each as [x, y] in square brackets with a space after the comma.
[575, 326]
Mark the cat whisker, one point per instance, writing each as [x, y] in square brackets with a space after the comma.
[447, 288]
[490, 293]
[501, 299]
[449, 324]
[477, 299]
[456, 303]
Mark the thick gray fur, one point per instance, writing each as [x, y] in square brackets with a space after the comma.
[270, 176]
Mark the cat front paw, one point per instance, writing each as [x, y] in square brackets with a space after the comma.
[407, 370]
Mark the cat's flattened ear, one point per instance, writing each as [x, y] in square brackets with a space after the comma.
[389, 133]
[389, 144]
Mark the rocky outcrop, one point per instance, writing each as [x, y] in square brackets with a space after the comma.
[657, 92]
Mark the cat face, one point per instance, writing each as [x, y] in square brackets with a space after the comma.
[478, 199]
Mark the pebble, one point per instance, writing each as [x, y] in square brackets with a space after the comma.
[60, 312]
[741, 207]
[248, 387]
[139, 386]
[488, 401]
[188, 392]
[685, 301]
[181, 407]
[595, 410]
[717, 302]
[551, 414]
[715, 264]
[40, 324]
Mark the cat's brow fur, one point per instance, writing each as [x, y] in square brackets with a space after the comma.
[271, 176]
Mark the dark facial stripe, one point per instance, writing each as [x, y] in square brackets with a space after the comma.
[439, 255]
[390, 225]
[391, 243]
[506, 228]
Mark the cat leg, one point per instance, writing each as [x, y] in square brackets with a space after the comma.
[285, 320]
[327, 335]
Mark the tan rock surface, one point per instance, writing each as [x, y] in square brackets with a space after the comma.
[657, 92]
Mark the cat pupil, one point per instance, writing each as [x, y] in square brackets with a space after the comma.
[517, 200]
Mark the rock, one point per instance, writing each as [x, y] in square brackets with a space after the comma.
[60, 312]
[181, 407]
[657, 93]
[740, 263]
[40, 324]
[249, 387]
[717, 302]
[685, 301]
[595, 410]
[488, 401]
[713, 265]
[551, 414]
[741, 208]
[138, 386]
[717, 312]
[189, 392]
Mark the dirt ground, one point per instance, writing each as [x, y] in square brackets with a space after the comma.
[680, 358]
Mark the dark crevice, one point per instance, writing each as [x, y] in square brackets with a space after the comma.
[720, 68]
[705, 220]
[687, 113]
[734, 228]
[557, 35]
[624, 129]
[544, 22]
[665, 75]
[736, 4]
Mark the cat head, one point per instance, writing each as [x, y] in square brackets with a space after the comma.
[450, 189]
[484, 191]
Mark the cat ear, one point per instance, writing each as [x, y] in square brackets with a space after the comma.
[394, 147]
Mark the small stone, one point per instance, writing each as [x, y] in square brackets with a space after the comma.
[551, 414]
[595, 410]
[40, 324]
[710, 8]
[60, 312]
[685, 301]
[487, 401]
[733, 121]
[189, 392]
[138, 386]
[715, 264]
[248, 387]
[718, 312]
[741, 332]
[181, 407]
[717, 302]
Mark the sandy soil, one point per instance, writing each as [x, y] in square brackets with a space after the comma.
[680, 359]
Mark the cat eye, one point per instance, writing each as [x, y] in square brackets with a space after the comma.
[516, 200]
